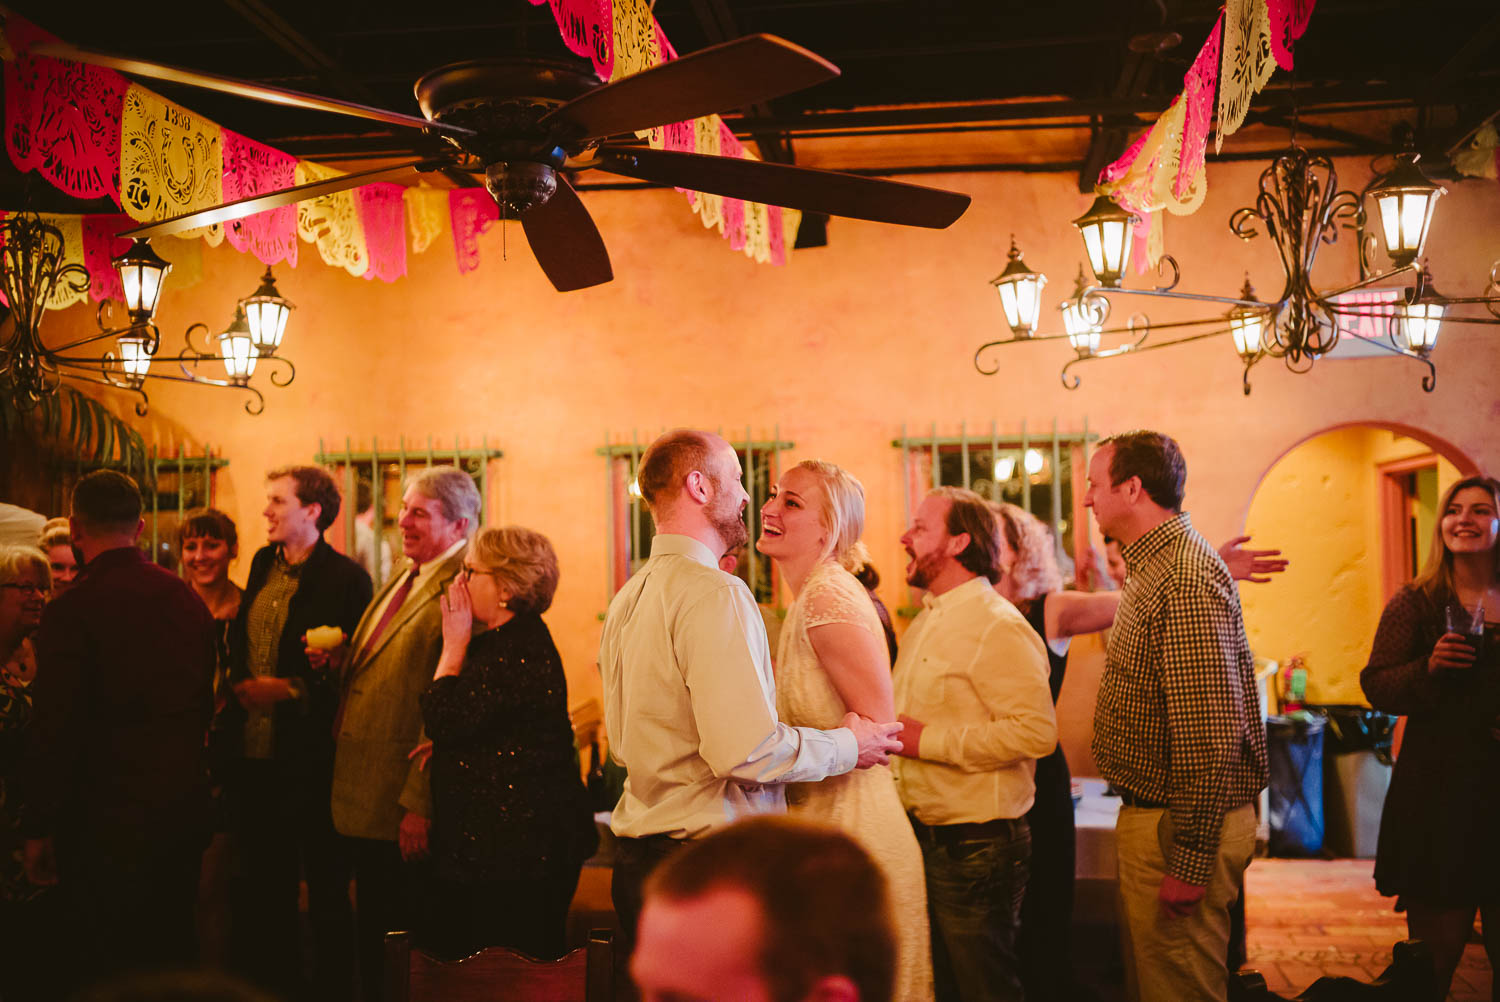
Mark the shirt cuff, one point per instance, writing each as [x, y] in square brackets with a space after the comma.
[1191, 865]
[847, 748]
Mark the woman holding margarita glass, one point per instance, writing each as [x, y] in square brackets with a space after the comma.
[831, 660]
[511, 822]
[1436, 659]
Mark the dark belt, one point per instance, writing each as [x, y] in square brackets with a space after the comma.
[1129, 799]
[997, 828]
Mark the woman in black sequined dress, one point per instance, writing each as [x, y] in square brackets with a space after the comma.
[511, 823]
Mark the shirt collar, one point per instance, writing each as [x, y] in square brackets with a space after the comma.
[424, 570]
[686, 546]
[1143, 549]
[971, 588]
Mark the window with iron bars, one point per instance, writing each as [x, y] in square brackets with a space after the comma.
[1042, 473]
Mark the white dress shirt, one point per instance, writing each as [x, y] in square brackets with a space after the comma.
[974, 672]
[690, 701]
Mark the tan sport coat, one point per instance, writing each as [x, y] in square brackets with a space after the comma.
[374, 784]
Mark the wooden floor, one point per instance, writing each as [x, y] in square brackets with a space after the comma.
[1309, 917]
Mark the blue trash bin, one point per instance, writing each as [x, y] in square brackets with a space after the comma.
[1295, 747]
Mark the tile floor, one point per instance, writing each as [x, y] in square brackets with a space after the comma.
[1307, 918]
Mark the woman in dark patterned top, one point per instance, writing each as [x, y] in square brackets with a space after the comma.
[511, 823]
[1441, 821]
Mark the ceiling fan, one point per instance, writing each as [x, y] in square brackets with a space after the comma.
[522, 121]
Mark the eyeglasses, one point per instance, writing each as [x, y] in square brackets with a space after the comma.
[469, 570]
[27, 588]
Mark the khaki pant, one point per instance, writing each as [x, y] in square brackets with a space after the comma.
[1181, 959]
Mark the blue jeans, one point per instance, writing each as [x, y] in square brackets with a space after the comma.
[976, 878]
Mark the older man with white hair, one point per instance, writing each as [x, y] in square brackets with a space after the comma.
[381, 799]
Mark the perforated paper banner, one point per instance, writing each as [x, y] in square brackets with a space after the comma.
[252, 168]
[472, 211]
[1198, 97]
[1247, 63]
[587, 29]
[380, 215]
[62, 119]
[100, 247]
[171, 162]
[71, 227]
[1288, 20]
[332, 222]
[426, 214]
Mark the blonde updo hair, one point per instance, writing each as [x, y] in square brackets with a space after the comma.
[523, 561]
[842, 512]
[1034, 566]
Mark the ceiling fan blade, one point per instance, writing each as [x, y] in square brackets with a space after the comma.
[252, 204]
[566, 242]
[237, 87]
[719, 78]
[802, 188]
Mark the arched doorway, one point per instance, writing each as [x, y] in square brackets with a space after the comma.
[1352, 508]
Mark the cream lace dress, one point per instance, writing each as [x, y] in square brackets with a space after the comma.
[864, 802]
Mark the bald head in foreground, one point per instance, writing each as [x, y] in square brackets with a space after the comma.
[767, 910]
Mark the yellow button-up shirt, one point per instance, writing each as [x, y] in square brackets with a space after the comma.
[974, 672]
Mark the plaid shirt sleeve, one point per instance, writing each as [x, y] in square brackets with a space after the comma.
[1206, 718]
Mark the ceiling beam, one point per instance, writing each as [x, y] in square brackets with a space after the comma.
[719, 25]
[1137, 65]
[303, 49]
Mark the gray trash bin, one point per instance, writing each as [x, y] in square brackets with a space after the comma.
[1356, 775]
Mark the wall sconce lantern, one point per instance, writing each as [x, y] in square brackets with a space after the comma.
[1406, 199]
[1107, 231]
[267, 312]
[1082, 324]
[142, 273]
[237, 349]
[1020, 291]
[1246, 325]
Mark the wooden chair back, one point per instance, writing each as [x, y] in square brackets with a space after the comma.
[499, 973]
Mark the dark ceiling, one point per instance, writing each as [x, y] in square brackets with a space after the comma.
[938, 67]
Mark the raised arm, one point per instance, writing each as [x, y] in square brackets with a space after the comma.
[1070, 613]
[1254, 566]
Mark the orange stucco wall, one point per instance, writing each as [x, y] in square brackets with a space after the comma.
[838, 349]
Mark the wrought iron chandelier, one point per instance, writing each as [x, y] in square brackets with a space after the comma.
[1300, 207]
[32, 270]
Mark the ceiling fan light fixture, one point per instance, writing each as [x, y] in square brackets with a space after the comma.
[1020, 291]
[519, 186]
[142, 273]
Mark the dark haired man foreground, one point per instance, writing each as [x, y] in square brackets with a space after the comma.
[971, 688]
[1177, 726]
[767, 910]
[116, 792]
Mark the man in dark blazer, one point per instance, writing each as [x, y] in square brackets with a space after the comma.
[115, 785]
[278, 730]
[382, 799]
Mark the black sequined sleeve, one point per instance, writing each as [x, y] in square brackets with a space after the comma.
[502, 674]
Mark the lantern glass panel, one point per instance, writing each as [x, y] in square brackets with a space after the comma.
[1245, 328]
[239, 354]
[135, 360]
[267, 324]
[1419, 324]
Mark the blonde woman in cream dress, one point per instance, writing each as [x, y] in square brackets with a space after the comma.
[832, 659]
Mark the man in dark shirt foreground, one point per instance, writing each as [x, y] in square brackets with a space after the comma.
[116, 794]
